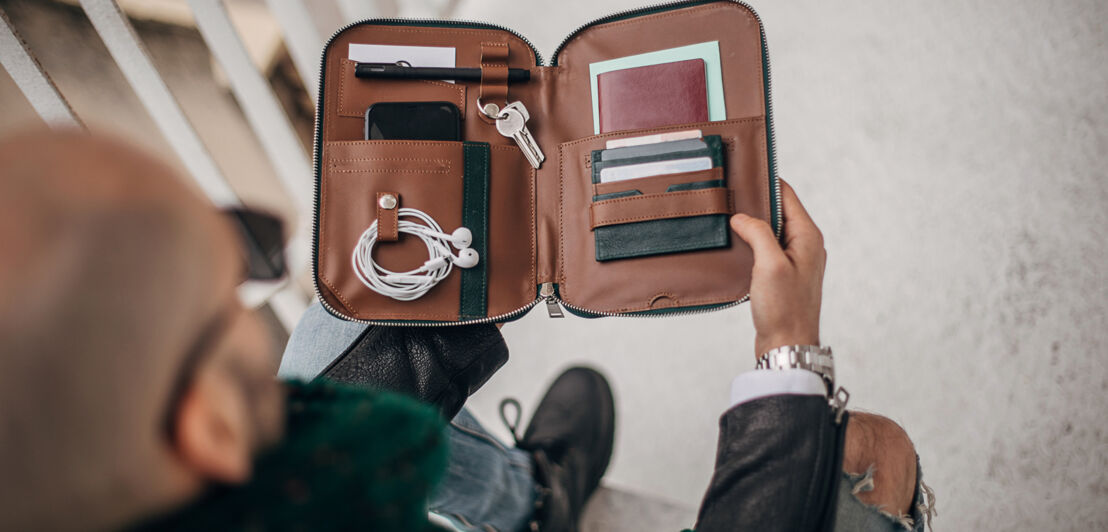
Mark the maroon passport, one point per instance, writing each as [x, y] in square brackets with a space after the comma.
[652, 96]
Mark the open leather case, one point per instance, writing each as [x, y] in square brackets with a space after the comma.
[536, 229]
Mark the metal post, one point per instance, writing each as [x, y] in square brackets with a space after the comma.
[133, 60]
[32, 80]
[301, 38]
[261, 107]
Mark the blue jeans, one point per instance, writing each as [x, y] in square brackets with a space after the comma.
[489, 486]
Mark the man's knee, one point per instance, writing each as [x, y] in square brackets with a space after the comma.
[877, 445]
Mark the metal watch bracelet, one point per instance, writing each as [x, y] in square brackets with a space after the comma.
[813, 358]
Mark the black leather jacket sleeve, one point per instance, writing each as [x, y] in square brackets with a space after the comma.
[441, 366]
[777, 467]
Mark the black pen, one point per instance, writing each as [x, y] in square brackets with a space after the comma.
[402, 71]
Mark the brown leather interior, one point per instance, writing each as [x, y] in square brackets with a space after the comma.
[539, 221]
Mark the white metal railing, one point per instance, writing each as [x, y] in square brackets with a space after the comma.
[260, 106]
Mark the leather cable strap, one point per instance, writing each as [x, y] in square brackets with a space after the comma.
[494, 73]
[645, 207]
[388, 224]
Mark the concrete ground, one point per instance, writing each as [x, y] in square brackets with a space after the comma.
[954, 156]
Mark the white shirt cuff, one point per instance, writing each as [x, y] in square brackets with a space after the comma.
[761, 383]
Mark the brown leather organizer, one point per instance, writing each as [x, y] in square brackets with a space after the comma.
[535, 227]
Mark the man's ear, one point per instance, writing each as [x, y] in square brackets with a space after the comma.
[212, 430]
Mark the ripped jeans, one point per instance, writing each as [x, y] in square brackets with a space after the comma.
[490, 486]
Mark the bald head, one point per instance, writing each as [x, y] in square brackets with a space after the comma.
[109, 267]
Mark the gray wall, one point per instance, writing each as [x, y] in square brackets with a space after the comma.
[954, 155]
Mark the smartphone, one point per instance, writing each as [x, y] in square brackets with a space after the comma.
[413, 121]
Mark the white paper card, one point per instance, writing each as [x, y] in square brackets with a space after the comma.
[417, 56]
[672, 166]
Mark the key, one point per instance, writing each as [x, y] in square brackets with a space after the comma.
[512, 122]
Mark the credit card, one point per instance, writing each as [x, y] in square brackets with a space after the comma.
[658, 148]
[651, 139]
[672, 166]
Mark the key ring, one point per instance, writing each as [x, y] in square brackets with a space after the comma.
[483, 108]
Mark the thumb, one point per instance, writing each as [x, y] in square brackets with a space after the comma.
[759, 236]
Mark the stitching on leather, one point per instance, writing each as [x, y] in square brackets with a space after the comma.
[443, 163]
[534, 226]
[559, 269]
[385, 143]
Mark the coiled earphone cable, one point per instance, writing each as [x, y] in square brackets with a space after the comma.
[413, 284]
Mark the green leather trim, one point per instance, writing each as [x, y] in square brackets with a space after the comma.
[475, 209]
[695, 186]
[655, 237]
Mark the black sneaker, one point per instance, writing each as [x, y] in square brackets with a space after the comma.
[570, 438]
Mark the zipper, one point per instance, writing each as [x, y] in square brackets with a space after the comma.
[775, 201]
[547, 290]
[552, 308]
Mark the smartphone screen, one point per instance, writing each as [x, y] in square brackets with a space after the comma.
[413, 121]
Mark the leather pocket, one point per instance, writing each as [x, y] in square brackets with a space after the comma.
[356, 95]
[686, 279]
[427, 175]
[687, 215]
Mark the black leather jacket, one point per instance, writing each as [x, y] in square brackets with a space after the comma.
[438, 365]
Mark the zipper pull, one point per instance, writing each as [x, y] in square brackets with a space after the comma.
[552, 308]
[838, 404]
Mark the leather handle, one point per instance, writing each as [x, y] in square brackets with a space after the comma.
[643, 207]
[494, 74]
[388, 218]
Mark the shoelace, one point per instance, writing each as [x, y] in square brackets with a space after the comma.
[512, 426]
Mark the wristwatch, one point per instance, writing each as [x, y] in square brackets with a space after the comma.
[815, 358]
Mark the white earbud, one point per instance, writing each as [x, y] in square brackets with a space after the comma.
[462, 238]
[467, 258]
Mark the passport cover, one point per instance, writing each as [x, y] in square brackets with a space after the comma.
[653, 96]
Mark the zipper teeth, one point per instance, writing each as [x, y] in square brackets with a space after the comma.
[317, 142]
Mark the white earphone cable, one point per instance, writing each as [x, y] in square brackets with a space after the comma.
[413, 284]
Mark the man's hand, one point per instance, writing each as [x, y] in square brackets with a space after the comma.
[787, 286]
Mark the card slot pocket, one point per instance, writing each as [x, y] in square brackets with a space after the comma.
[356, 94]
[659, 206]
[629, 224]
[432, 176]
[671, 279]
[659, 183]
